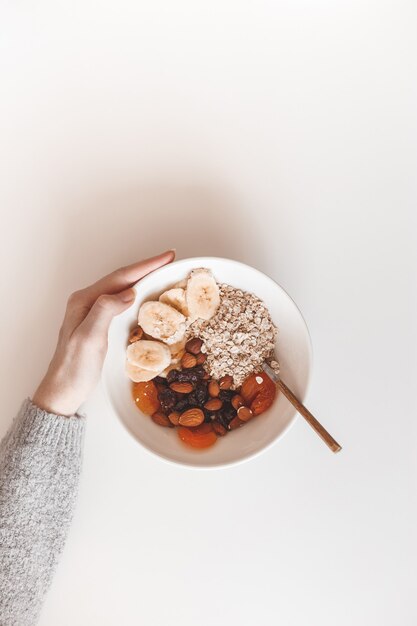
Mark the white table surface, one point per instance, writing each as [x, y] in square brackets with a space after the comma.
[282, 134]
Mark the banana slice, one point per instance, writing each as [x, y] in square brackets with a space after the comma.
[177, 350]
[202, 294]
[149, 355]
[175, 298]
[181, 284]
[162, 321]
[137, 374]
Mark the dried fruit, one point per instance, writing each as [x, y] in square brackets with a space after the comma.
[192, 417]
[182, 404]
[146, 397]
[237, 401]
[182, 387]
[226, 382]
[254, 384]
[201, 437]
[194, 345]
[161, 419]
[218, 428]
[188, 360]
[172, 375]
[136, 334]
[263, 400]
[244, 413]
[235, 423]
[213, 388]
[174, 418]
[226, 395]
[214, 404]
[201, 358]
[168, 398]
[201, 392]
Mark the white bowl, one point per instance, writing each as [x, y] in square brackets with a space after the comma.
[293, 350]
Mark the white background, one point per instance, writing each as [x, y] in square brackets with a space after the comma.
[279, 133]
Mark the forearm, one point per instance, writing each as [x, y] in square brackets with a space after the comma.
[40, 461]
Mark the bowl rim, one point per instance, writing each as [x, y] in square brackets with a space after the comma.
[249, 456]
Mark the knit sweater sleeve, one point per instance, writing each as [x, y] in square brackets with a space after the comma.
[40, 461]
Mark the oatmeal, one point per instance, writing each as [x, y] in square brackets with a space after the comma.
[239, 337]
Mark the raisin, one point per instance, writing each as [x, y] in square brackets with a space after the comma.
[182, 405]
[160, 380]
[226, 394]
[222, 420]
[192, 399]
[201, 393]
[168, 399]
[172, 376]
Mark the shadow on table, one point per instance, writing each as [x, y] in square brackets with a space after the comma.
[117, 227]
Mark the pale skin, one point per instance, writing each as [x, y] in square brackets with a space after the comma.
[76, 365]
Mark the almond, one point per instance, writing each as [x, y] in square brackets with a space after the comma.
[188, 360]
[218, 428]
[161, 419]
[213, 405]
[235, 423]
[182, 387]
[237, 401]
[136, 334]
[201, 358]
[174, 418]
[194, 345]
[244, 413]
[192, 417]
[225, 382]
[213, 388]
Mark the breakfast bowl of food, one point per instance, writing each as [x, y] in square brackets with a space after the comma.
[192, 365]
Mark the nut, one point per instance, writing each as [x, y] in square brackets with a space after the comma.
[188, 360]
[225, 382]
[194, 345]
[161, 419]
[213, 388]
[244, 413]
[174, 418]
[214, 404]
[191, 417]
[201, 358]
[218, 428]
[237, 401]
[235, 423]
[136, 334]
[182, 387]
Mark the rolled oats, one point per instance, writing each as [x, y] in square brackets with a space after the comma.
[239, 337]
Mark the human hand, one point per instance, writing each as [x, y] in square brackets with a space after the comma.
[76, 365]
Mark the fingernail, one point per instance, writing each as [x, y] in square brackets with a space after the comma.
[128, 295]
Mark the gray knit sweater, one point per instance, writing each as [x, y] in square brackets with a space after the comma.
[40, 460]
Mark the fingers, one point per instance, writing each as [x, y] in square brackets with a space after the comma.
[97, 322]
[126, 276]
[81, 301]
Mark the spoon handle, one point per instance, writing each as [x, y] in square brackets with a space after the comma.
[315, 424]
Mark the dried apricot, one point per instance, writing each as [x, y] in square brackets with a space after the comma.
[254, 384]
[263, 400]
[145, 396]
[200, 437]
[259, 391]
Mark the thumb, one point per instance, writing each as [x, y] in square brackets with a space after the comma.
[98, 320]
